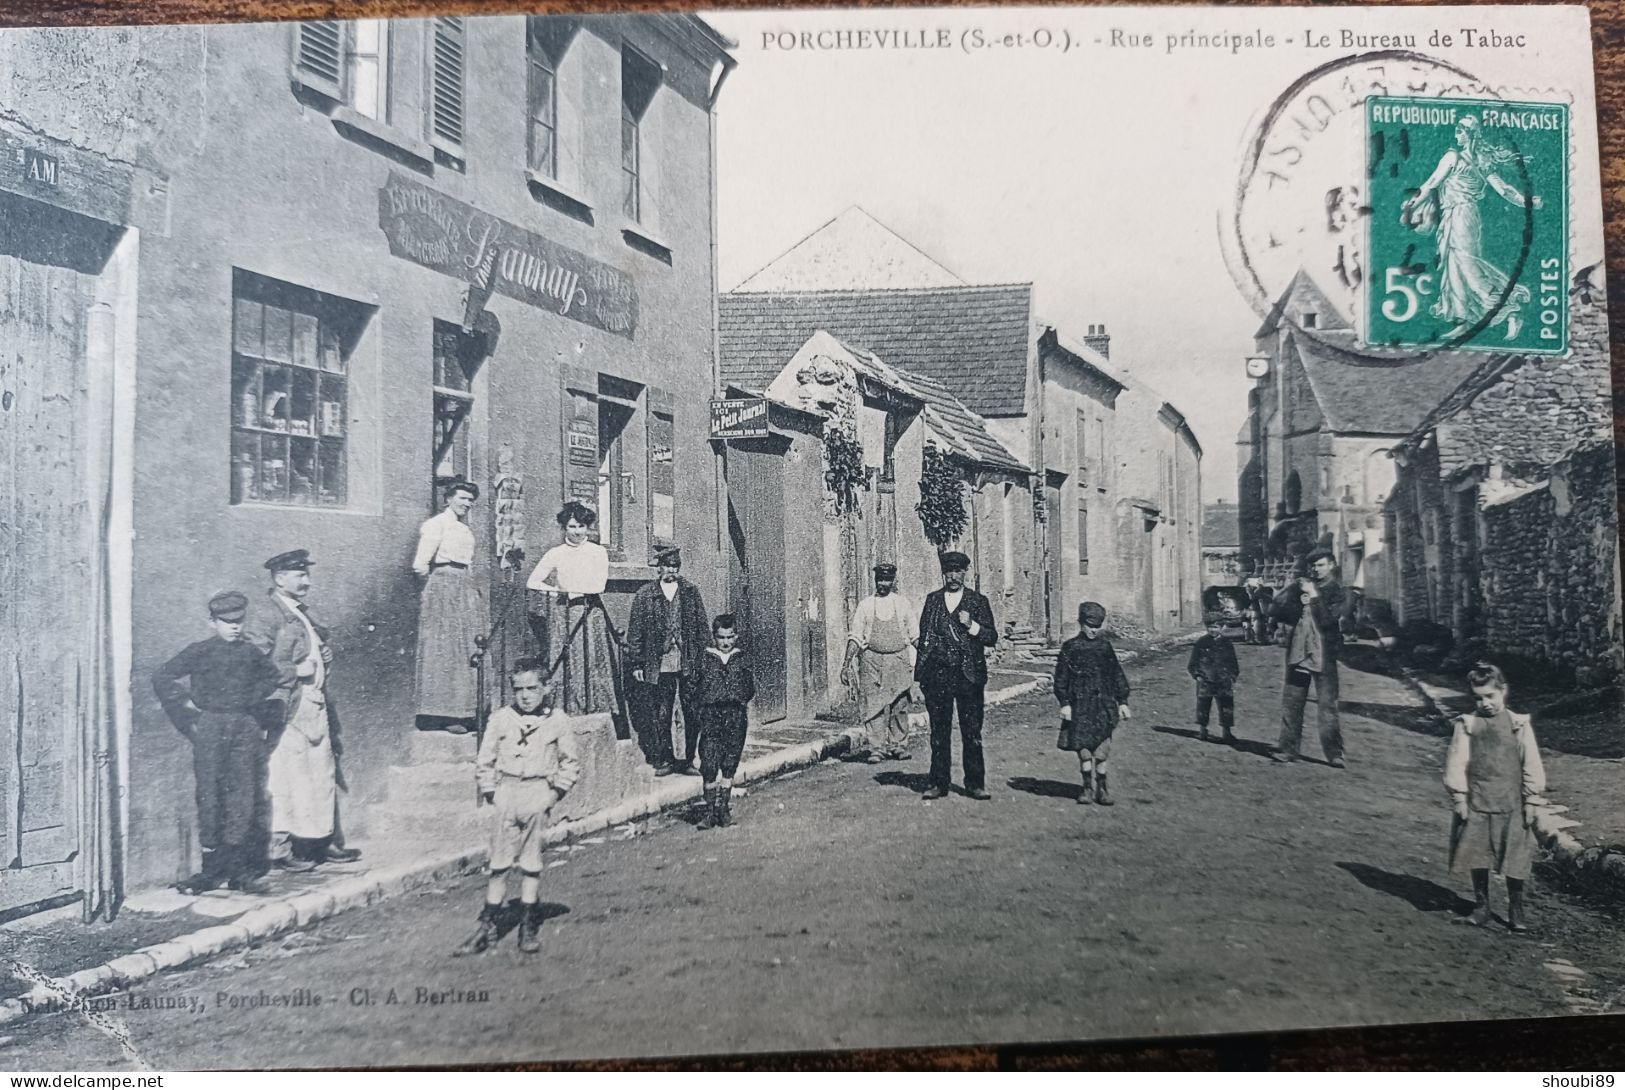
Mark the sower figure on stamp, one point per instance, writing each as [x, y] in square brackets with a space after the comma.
[881, 647]
[451, 615]
[956, 629]
[302, 777]
[666, 635]
[214, 692]
[1093, 692]
[528, 761]
[1315, 609]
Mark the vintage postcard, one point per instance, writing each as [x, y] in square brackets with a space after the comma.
[659, 534]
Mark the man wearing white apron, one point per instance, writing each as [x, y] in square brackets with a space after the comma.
[302, 773]
[885, 630]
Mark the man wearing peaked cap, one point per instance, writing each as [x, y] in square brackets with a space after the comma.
[885, 631]
[214, 692]
[302, 773]
[956, 629]
[667, 633]
[1315, 607]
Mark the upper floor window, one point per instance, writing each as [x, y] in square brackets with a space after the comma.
[447, 51]
[346, 61]
[1083, 448]
[640, 79]
[548, 38]
[368, 68]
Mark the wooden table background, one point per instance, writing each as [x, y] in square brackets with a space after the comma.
[1537, 1045]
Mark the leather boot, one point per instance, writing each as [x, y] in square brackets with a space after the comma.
[243, 879]
[725, 816]
[1087, 795]
[708, 820]
[481, 940]
[1515, 905]
[530, 928]
[1101, 797]
[1481, 899]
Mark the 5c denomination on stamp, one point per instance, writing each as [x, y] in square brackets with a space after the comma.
[1467, 237]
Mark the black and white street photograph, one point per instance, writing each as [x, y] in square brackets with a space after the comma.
[658, 535]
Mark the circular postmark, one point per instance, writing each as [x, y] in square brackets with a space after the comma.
[1306, 201]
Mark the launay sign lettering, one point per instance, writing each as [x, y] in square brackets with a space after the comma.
[444, 234]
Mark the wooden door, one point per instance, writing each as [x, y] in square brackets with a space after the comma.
[1054, 580]
[49, 550]
[756, 512]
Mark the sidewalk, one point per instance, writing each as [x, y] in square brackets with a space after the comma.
[55, 963]
[1591, 852]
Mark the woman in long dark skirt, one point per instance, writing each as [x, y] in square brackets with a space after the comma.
[1093, 691]
[568, 616]
[451, 614]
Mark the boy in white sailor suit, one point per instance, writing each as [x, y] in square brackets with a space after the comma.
[527, 762]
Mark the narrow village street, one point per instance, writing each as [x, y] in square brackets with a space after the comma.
[1222, 893]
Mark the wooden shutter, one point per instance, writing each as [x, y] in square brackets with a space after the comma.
[319, 56]
[446, 84]
[662, 452]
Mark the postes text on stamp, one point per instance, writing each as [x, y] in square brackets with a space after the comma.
[1468, 227]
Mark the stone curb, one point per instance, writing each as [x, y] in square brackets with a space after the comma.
[1592, 866]
[303, 910]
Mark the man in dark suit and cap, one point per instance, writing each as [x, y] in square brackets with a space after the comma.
[1315, 606]
[956, 628]
[667, 633]
[302, 776]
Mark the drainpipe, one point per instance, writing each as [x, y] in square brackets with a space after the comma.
[718, 483]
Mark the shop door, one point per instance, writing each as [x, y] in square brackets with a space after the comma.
[1054, 584]
[48, 548]
[756, 526]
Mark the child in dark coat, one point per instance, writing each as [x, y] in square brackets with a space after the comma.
[726, 686]
[214, 692]
[1093, 691]
[1213, 666]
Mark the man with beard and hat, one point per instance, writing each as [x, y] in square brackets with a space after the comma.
[302, 777]
[956, 629]
[1315, 608]
[666, 636]
[880, 665]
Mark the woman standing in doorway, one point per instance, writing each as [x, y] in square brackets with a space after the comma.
[451, 614]
[568, 616]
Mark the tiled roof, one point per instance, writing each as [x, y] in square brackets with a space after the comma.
[973, 339]
[958, 426]
[1361, 395]
[1531, 410]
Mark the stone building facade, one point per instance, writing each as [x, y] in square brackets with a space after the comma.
[1503, 519]
[306, 272]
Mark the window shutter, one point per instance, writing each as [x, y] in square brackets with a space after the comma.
[446, 80]
[661, 426]
[319, 56]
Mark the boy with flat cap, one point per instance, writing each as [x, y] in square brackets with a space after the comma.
[214, 692]
[956, 629]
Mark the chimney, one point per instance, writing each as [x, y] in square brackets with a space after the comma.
[1098, 339]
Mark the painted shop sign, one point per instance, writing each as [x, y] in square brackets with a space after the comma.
[739, 418]
[39, 167]
[458, 240]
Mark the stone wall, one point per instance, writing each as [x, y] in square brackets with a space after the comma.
[1549, 575]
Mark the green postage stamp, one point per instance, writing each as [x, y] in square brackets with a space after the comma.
[1468, 231]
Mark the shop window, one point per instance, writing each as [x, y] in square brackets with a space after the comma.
[548, 38]
[457, 356]
[290, 366]
[640, 79]
[1083, 539]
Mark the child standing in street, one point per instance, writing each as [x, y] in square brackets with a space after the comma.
[1493, 772]
[528, 761]
[726, 687]
[1213, 666]
[214, 692]
[1093, 691]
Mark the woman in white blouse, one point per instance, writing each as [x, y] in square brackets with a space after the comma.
[451, 614]
[568, 617]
